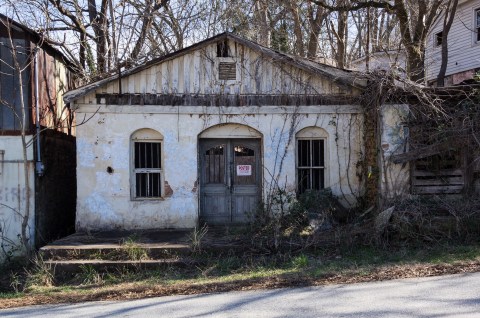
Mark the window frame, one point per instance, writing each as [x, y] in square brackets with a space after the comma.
[437, 39]
[134, 171]
[310, 167]
[476, 26]
[9, 123]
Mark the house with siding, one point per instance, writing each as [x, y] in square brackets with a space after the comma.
[41, 209]
[463, 46]
[388, 60]
[210, 132]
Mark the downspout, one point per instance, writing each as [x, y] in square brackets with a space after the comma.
[39, 167]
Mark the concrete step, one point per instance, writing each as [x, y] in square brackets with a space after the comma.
[66, 267]
[119, 245]
[114, 251]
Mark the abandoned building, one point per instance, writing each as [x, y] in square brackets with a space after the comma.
[45, 208]
[209, 132]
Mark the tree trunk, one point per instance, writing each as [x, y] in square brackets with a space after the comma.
[297, 29]
[261, 15]
[82, 53]
[341, 39]
[99, 22]
[374, 30]
[415, 19]
[415, 62]
[450, 11]
[316, 22]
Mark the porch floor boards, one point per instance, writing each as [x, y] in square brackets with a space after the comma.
[146, 238]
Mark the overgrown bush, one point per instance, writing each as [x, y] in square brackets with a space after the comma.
[434, 218]
[288, 222]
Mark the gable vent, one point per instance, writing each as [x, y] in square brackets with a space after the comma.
[227, 71]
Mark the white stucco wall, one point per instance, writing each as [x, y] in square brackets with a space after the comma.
[395, 178]
[13, 194]
[104, 201]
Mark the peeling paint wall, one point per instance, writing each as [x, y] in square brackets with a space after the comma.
[13, 195]
[103, 143]
[395, 178]
[104, 199]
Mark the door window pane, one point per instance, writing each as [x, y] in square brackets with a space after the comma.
[215, 164]
[244, 167]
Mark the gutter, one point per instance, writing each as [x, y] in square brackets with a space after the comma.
[39, 167]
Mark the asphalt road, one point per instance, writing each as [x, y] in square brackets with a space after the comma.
[445, 296]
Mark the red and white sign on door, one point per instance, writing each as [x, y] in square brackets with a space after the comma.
[244, 170]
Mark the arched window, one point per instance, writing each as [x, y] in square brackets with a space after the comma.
[311, 159]
[147, 164]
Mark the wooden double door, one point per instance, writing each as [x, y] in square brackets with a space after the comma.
[230, 179]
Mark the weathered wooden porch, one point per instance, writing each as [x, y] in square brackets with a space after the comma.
[107, 250]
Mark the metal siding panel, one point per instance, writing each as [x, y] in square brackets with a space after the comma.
[165, 78]
[144, 75]
[158, 79]
[174, 76]
[179, 74]
[196, 72]
[131, 84]
[187, 73]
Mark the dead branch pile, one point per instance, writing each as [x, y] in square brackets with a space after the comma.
[434, 219]
[458, 123]
[444, 117]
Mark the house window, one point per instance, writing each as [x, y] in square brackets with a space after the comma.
[10, 98]
[438, 38]
[310, 164]
[477, 24]
[311, 159]
[147, 164]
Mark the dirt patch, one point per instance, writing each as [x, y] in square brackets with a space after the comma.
[138, 290]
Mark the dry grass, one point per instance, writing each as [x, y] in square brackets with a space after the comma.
[247, 272]
[137, 290]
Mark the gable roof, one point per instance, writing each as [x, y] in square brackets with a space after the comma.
[339, 76]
